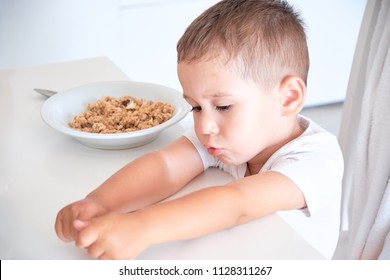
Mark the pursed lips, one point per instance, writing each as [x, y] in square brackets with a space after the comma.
[214, 151]
[211, 149]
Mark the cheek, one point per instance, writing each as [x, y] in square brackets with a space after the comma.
[248, 129]
[240, 133]
[196, 123]
[246, 122]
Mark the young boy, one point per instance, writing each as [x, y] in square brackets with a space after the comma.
[243, 66]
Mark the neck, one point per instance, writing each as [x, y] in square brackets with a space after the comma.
[255, 164]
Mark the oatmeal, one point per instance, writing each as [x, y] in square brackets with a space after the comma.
[125, 114]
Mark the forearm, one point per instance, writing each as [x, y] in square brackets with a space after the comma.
[217, 208]
[150, 178]
[194, 215]
[134, 186]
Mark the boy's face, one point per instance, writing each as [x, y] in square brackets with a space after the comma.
[234, 119]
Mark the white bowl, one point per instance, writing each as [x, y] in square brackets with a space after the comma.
[61, 108]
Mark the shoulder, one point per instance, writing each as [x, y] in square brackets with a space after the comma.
[316, 149]
[315, 134]
[315, 142]
[313, 161]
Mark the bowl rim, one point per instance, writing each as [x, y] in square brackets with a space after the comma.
[52, 101]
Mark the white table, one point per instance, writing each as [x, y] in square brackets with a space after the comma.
[42, 170]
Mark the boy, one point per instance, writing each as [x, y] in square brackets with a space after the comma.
[243, 68]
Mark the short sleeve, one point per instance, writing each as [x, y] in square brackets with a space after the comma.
[211, 161]
[315, 164]
[207, 159]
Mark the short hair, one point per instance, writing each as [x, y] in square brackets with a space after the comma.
[264, 40]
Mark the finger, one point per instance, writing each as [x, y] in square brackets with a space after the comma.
[88, 209]
[80, 225]
[104, 256]
[62, 230]
[64, 223]
[87, 237]
[58, 228]
[96, 250]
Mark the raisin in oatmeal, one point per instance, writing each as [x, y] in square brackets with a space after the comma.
[125, 114]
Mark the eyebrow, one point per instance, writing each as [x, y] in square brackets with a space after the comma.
[218, 94]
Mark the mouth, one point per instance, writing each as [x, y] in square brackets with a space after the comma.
[214, 151]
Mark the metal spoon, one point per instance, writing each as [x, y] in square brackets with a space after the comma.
[45, 92]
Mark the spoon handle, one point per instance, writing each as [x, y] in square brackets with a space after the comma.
[45, 92]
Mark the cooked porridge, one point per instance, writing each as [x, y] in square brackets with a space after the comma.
[124, 114]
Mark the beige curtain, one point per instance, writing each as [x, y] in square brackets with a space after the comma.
[365, 140]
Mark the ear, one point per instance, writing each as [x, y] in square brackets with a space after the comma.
[292, 95]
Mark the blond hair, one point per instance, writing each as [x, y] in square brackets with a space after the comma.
[263, 40]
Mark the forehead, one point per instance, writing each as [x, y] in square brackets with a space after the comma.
[214, 80]
[209, 66]
[212, 73]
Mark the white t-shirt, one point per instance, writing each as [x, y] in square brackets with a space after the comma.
[314, 162]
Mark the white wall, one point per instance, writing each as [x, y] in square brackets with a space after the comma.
[45, 31]
[150, 34]
[140, 36]
[332, 31]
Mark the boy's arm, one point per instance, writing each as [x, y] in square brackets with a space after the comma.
[216, 208]
[141, 183]
[150, 178]
[194, 215]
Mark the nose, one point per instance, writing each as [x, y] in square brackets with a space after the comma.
[206, 124]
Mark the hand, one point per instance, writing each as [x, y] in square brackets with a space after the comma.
[85, 209]
[112, 236]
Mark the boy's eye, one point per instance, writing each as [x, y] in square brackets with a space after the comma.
[219, 108]
[196, 109]
[224, 108]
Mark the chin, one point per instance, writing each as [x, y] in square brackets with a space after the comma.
[230, 161]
